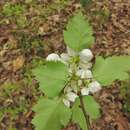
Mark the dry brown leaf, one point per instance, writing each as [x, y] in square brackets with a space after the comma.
[18, 63]
[122, 123]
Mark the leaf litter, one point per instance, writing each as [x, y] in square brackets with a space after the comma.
[111, 22]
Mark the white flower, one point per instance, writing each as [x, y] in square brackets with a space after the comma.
[94, 86]
[86, 55]
[53, 57]
[66, 102]
[72, 68]
[74, 86]
[68, 89]
[85, 91]
[79, 82]
[84, 73]
[71, 52]
[84, 65]
[65, 58]
[71, 96]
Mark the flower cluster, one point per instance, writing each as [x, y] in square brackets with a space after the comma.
[81, 79]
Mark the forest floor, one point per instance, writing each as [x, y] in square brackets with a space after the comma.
[30, 30]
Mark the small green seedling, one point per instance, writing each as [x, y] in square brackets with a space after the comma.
[69, 80]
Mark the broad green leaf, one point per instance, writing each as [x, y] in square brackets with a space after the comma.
[91, 107]
[110, 69]
[78, 34]
[51, 77]
[50, 115]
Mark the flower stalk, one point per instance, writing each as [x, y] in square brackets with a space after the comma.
[87, 119]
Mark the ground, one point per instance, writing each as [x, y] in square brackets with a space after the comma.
[30, 30]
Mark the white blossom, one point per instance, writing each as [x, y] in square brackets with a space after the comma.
[68, 89]
[94, 86]
[86, 55]
[53, 57]
[84, 73]
[71, 96]
[65, 57]
[72, 68]
[74, 86]
[71, 52]
[66, 102]
[79, 82]
[85, 65]
[85, 91]
[78, 63]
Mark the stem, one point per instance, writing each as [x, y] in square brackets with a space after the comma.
[85, 113]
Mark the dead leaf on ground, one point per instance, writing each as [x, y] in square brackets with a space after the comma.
[18, 63]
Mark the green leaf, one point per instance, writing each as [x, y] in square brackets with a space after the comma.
[51, 77]
[110, 69]
[91, 107]
[85, 2]
[10, 9]
[50, 114]
[78, 34]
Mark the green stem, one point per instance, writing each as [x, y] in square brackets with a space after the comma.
[85, 113]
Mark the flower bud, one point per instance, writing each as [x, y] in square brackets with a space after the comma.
[66, 102]
[71, 52]
[65, 58]
[84, 65]
[85, 91]
[94, 86]
[86, 55]
[71, 96]
[84, 74]
[53, 57]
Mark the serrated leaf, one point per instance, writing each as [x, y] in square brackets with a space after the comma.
[78, 34]
[91, 107]
[51, 77]
[50, 115]
[110, 69]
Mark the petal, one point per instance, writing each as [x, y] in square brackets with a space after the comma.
[71, 52]
[88, 74]
[67, 89]
[53, 57]
[79, 72]
[85, 91]
[85, 65]
[66, 102]
[84, 74]
[86, 55]
[74, 86]
[71, 96]
[79, 82]
[94, 86]
[65, 58]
